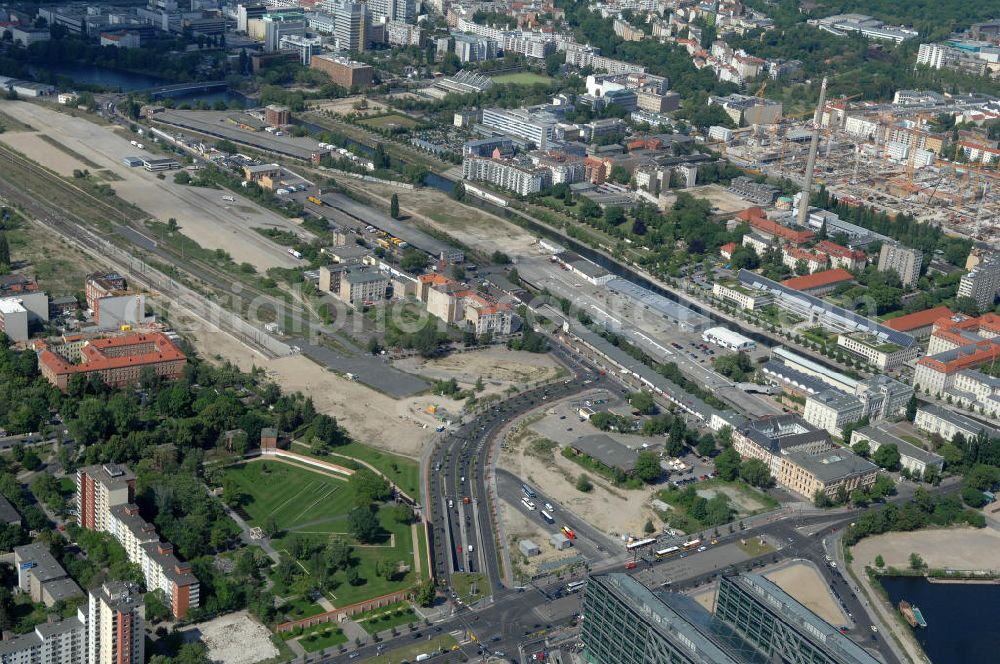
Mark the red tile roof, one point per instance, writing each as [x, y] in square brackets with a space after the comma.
[918, 320]
[839, 251]
[774, 228]
[93, 357]
[728, 248]
[818, 279]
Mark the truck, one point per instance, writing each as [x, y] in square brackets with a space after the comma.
[315, 200]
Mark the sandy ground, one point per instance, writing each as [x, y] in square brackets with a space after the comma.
[345, 106]
[615, 511]
[720, 197]
[402, 427]
[469, 225]
[979, 549]
[519, 527]
[498, 367]
[202, 214]
[235, 638]
[799, 579]
[33, 146]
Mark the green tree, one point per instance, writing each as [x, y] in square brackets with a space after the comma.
[887, 456]
[4, 249]
[643, 402]
[706, 445]
[755, 472]
[362, 522]
[413, 260]
[879, 561]
[916, 562]
[727, 464]
[647, 467]
[911, 408]
[394, 206]
[584, 484]
[368, 487]
[424, 593]
[861, 448]
[648, 527]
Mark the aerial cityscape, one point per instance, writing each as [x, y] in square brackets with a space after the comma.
[521, 331]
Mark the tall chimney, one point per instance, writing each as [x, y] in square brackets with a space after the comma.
[807, 183]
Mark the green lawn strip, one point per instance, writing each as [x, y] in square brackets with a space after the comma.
[522, 78]
[463, 584]
[300, 607]
[410, 652]
[391, 616]
[425, 564]
[322, 639]
[404, 472]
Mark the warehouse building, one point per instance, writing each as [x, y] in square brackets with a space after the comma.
[721, 336]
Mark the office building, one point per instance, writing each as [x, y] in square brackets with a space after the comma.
[743, 297]
[246, 13]
[530, 124]
[957, 344]
[104, 499]
[398, 33]
[864, 25]
[906, 261]
[473, 48]
[745, 110]
[877, 398]
[754, 621]
[578, 55]
[285, 24]
[976, 391]
[779, 627]
[982, 283]
[118, 360]
[878, 352]
[13, 319]
[350, 22]
[343, 71]
[115, 617]
[383, 11]
[914, 459]
[306, 47]
[521, 178]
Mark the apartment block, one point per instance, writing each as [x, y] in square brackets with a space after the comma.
[981, 283]
[814, 261]
[906, 261]
[104, 502]
[118, 360]
[521, 178]
[947, 423]
[358, 287]
[843, 257]
[974, 390]
[344, 72]
[56, 642]
[115, 616]
[41, 576]
[530, 124]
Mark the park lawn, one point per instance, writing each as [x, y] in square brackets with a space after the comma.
[463, 583]
[300, 607]
[391, 616]
[300, 501]
[389, 121]
[410, 652]
[753, 548]
[368, 557]
[522, 78]
[404, 472]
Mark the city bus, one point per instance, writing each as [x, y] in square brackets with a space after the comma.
[527, 491]
[638, 544]
[666, 553]
[692, 544]
[574, 586]
[547, 517]
[527, 503]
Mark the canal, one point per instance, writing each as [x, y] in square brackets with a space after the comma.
[961, 618]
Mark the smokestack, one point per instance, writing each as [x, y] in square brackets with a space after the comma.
[807, 183]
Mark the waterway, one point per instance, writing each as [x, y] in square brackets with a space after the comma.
[961, 618]
[126, 81]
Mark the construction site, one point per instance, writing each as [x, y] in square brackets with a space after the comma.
[891, 157]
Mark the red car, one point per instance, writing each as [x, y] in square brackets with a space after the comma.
[460, 548]
[630, 564]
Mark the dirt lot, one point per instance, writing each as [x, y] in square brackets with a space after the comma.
[498, 367]
[615, 511]
[519, 527]
[720, 197]
[201, 213]
[802, 581]
[979, 550]
[345, 106]
[59, 268]
[234, 639]
[470, 226]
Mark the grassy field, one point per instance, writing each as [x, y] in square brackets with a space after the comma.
[321, 637]
[395, 615]
[522, 78]
[464, 585]
[753, 548]
[404, 472]
[305, 503]
[390, 121]
[410, 652]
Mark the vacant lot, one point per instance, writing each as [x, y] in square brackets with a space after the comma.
[347, 105]
[979, 548]
[59, 268]
[523, 78]
[235, 638]
[498, 368]
[803, 581]
[390, 122]
[743, 499]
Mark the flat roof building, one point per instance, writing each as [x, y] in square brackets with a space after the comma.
[608, 451]
[914, 459]
[344, 72]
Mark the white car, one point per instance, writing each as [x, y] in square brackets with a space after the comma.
[548, 506]
[702, 548]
